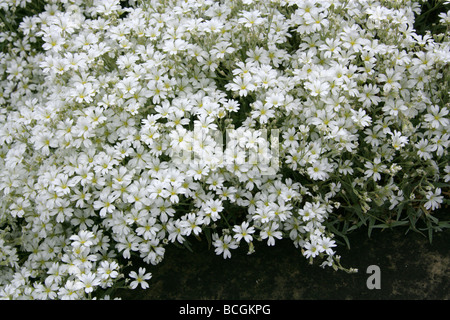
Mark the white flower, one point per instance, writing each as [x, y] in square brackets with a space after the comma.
[105, 204]
[398, 140]
[374, 169]
[106, 7]
[251, 18]
[223, 245]
[148, 229]
[361, 118]
[108, 270]
[70, 290]
[312, 248]
[447, 171]
[318, 87]
[243, 85]
[424, 149]
[271, 232]
[262, 111]
[319, 170]
[394, 107]
[434, 199]
[222, 48]
[243, 231]
[140, 278]
[369, 95]
[213, 208]
[391, 79]
[53, 41]
[436, 116]
[84, 238]
[174, 46]
[192, 224]
[88, 281]
[327, 244]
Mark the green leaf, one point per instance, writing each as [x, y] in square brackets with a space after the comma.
[398, 223]
[353, 227]
[444, 224]
[370, 228]
[187, 245]
[430, 232]
[400, 210]
[207, 232]
[334, 230]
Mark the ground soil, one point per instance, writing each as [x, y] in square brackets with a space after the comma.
[411, 268]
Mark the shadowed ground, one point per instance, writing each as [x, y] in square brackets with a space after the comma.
[411, 268]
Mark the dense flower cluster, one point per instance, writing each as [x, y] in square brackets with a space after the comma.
[113, 121]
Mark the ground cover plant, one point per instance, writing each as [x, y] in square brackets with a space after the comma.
[128, 128]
